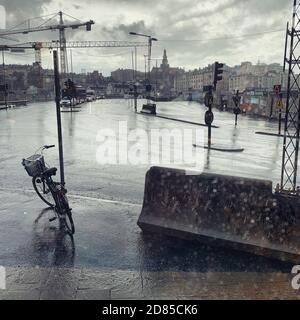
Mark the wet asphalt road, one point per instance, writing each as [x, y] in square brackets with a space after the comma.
[107, 235]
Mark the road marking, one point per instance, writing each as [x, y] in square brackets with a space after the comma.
[75, 196]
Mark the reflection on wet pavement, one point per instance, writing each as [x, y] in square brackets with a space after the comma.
[108, 246]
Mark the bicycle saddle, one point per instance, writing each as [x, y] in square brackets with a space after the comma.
[50, 172]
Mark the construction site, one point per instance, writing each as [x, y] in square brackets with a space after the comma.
[170, 199]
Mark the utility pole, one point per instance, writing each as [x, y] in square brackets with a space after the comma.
[132, 65]
[58, 117]
[150, 40]
[135, 64]
[71, 57]
[4, 78]
[149, 58]
[62, 44]
[134, 80]
[156, 78]
[145, 58]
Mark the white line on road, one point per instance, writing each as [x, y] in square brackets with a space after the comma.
[75, 196]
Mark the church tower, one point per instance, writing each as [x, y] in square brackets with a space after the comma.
[165, 63]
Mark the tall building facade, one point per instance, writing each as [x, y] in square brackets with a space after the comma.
[259, 76]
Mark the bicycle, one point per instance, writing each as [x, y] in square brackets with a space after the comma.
[51, 192]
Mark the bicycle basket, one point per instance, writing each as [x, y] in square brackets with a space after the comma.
[34, 165]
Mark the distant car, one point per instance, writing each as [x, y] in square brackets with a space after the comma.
[65, 103]
[90, 95]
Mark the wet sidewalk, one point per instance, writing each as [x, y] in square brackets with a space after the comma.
[111, 259]
[87, 284]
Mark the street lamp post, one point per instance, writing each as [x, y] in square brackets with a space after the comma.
[156, 67]
[150, 40]
[145, 74]
[4, 79]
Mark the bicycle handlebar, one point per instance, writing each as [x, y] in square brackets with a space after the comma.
[48, 147]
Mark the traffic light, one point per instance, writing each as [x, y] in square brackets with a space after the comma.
[70, 88]
[277, 89]
[218, 73]
[89, 26]
[148, 87]
[69, 84]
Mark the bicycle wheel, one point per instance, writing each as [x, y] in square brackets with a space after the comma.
[69, 223]
[65, 213]
[43, 191]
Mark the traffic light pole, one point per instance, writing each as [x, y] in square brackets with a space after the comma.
[209, 123]
[237, 100]
[209, 98]
[209, 116]
[209, 135]
[58, 117]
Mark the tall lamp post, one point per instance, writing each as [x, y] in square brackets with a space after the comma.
[150, 40]
[145, 58]
[156, 67]
[4, 78]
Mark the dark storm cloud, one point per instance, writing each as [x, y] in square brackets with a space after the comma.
[122, 30]
[208, 12]
[20, 10]
[175, 23]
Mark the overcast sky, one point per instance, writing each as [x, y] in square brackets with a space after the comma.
[187, 29]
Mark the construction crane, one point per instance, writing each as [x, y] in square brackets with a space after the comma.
[61, 26]
[38, 46]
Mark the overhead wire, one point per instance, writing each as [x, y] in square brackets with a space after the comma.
[26, 21]
[72, 17]
[223, 38]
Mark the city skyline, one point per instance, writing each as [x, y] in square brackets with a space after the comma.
[177, 32]
[153, 66]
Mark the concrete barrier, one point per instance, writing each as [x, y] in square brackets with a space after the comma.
[234, 212]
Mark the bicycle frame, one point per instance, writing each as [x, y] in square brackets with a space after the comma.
[54, 190]
[57, 190]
